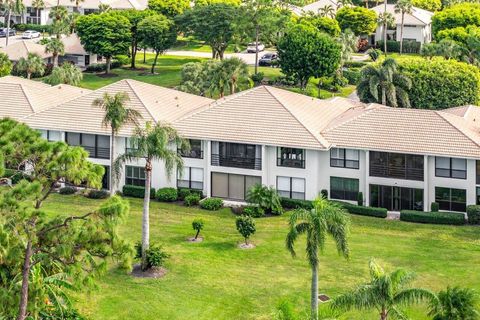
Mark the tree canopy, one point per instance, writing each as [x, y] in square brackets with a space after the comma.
[430, 5]
[169, 8]
[5, 65]
[358, 19]
[460, 15]
[323, 24]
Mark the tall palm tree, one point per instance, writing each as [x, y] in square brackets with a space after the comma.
[116, 116]
[77, 4]
[56, 47]
[455, 304]
[385, 19]
[324, 219]
[236, 70]
[32, 64]
[154, 142]
[60, 21]
[38, 5]
[327, 11]
[11, 6]
[386, 292]
[403, 7]
[382, 83]
[344, 3]
[67, 73]
[348, 40]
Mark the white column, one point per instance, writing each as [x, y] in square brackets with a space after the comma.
[366, 195]
[264, 165]
[426, 185]
[207, 154]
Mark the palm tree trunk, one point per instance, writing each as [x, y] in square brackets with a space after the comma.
[385, 26]
[401, 33]
[257, 31]
[384, 97]
[314, 293]
[112, 161]
[383, 315]
[8, 27]
[29, 75]
[55, 59]
[22, 310]
[146, 213]
[38, 16]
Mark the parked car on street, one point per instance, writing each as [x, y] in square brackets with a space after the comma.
[252, 48]
[30, 34]
[3, 32]
[268, 60]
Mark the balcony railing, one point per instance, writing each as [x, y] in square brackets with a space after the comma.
[396, 172]
[292, 163]
[194, 153]
[237, 162]
[98, 152]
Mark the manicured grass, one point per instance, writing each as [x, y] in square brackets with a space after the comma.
[191, 44]
[216, 280]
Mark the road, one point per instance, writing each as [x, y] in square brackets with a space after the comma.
[14, 39]
[248, 58]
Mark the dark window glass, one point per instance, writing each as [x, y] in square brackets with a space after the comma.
[396, 165]
[232, 186]
[344, 158]
[290, 157]
[72, 139]
[290, 187]
[344, 188]
[247, 156]
[135, 176]
[195, 150]
[451, 168]
[451, 199]
[191, 178]
[396, 198]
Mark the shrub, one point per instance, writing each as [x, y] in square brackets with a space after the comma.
[440, 84]
[197, 225]
[358, 19]
[473, 213]
[266, 198]
[167, 195]
[100, 67]
[136, 191]
[434, 207]
[360, 199]
[288, 203]
[246, 227]
[409, 46]
[183, 192]
[36, 27]
[123, 59]
[363, 211]
[192, 200]
[254, 211]
[67, 190]
[355, 64]
[155, 255]
[374, 54]
[324, 193]
[352, 75]
[257, 78]
[98, 194]
[461, 15]
[212, 204]
[453, 218]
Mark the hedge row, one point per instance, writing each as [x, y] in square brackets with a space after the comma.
[137, 192]
[351, 208]
[452, 218]
[409, 46]
[473, 213]
[35, 27]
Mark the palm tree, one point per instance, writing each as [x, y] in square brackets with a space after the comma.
[385, 19]
[324, 219]
[386, 292]
[33, 64]
[116, 116]
[236, 70]
[56, 47]
[60, 21]
[153, 143]
[77, 4]
[455, 304]
[348, 40]
[67, 73]
[382, 83]
[327, 11]
[344, 3]
[38, 5]
[10, 6]
[403, 7]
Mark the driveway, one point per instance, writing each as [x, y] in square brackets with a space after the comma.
[14, 39]
[249, 58]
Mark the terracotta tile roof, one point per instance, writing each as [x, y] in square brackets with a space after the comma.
[22, 48]
[154, 103]
[417, 17]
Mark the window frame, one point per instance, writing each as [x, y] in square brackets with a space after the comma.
[449, 201]
[95, 154]
[281, 160]
[450, 169]
[291, 192]
[190, 179]
[133, 178]
[344, 160]
[344, 191]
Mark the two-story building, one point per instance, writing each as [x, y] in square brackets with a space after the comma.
[397, 158]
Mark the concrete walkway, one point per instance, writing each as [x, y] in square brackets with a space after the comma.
[393, 215]
[249, 58]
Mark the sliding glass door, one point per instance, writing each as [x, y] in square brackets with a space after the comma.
[396, 198]
[232, 186]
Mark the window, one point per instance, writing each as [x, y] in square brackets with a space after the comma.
[195, 150]
[451, 168]
[478, 195]
[246, 156]
[396, 165]
[344, 158]
[135, 176]
[232, 186]
[396, 198]
[293, 188]
[451, 199]
[106, 178]
[291, 157]
[51, 135]
[97, 146]
[192, 178]
[478, 171]
[344, 188]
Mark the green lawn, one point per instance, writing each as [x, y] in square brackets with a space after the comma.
[191, 44]
[215, 280]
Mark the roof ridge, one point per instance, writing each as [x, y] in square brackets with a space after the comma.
[27, 98]
[139, 99]
[442, 115]
[367, 109]
[298, 120]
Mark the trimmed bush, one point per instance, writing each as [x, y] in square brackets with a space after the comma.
[192, 200]
[473, 213]
[254, 211]
[198, 225]
[324, 193]
[97, 194]
[265, 197]
[183, 192]
[67, 190]
[246, 227]
[156, 256]
[136, 191]
[100, 67]
[362, 210]
[452, 218]
[409, 46]
[434, 207]
[36, 27]
[360, 199]
[212, 204]
[288, 203]
[354, 64]
[352, 75]
[167, 195]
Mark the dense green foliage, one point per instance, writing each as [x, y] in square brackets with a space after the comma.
[288, 203]
[67, 73]
[246, 227]
[409, 46]
[453, 218]
[136, 191]
[440, 84]
[192, 199]
[184, 192]
[155, 255]
[429, 5]
[198, 225]
[212, 204]
[323, 24]
[358, 19]
[456, 304]
[169, 8]
[461, 15]
[253, 211]
[67, 190]
[473, 213]
[36, 27]
[167, 194]
[266, 198]
[434, 207]
[304, 52]
[365, 211]
[32, 65]
[106, 34]
[97, 194]
[5, 65]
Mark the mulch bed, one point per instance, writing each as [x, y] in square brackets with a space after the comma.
[323, 297]
[154, 273]
[192, 239]
[107, 75]
[245, 246]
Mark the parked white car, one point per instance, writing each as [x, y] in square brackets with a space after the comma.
[30, 34]
[252, 48]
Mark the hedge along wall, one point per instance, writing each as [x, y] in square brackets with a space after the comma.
[440, 83]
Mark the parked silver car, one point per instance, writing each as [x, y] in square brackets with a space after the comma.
[3, 32]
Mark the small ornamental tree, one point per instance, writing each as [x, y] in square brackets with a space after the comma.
[197, 225]
[106, 34]
[67, 73]
[158, 33]
[246, 227]
[169, 8]
[5, 65]
[358, 19]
